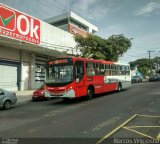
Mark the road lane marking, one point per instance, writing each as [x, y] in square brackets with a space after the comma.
[143, 126]
[102, 125]
[47, 115]
[158, 137]
[31, 130]
[55, 111]
[116, 129]
[149, 116]
[142, 134]
[130, 128]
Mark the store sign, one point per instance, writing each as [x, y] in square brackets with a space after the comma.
[61, 61]
[19, 26]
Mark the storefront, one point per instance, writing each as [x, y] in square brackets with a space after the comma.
[26, 44]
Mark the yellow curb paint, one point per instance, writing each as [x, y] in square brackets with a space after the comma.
[142, 134]
[116, 129]
[149, 116]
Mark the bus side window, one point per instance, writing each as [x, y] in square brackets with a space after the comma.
[113, 69]
[127, 70]
[107, 70]
[99, 69]
[79, 70]
[90, 71]
[123, 70]
[102, 69]
[118, 72]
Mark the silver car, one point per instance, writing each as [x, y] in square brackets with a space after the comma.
[7, 99]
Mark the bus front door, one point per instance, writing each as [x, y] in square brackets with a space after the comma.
[80, 83]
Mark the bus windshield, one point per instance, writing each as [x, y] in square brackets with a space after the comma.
[59, 74]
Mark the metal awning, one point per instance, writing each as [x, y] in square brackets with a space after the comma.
[13, 43]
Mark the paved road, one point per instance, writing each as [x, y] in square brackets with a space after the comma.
[80, 119]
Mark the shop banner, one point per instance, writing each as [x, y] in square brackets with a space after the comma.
[18, 25]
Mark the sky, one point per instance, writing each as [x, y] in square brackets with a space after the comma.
[137, 19]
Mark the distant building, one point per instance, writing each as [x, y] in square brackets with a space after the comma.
[72, 23]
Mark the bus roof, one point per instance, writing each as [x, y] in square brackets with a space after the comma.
[93, 60]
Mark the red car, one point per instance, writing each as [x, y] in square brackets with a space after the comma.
[38, 94]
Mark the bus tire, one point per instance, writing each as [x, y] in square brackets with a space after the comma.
[90, 93]
[119, 88]
[66, 99]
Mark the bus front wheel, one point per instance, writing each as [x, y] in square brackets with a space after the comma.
[90, 93]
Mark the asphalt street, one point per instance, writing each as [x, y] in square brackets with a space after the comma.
[82, 119]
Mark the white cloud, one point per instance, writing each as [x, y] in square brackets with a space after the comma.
[150, 7]
[93, 8]
[115, 29]
[148, 42]
[141, 46]
[83, 5]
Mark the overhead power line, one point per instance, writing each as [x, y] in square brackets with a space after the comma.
[54, 5]
[48, 6]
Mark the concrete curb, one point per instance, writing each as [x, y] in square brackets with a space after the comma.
[23, 101]
[24, 96]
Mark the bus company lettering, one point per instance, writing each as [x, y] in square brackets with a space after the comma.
[19, 26]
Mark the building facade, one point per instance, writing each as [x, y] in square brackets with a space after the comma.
[26, 44]
[72, 23]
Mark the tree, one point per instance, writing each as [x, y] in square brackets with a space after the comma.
[90, 46]
[96, 47]
[116, 46]
[144, 65]
[156, 61]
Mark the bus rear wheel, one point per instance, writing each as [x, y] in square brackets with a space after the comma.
[119, 88]
[90, 93]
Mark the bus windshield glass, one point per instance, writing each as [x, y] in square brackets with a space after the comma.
[59, 72]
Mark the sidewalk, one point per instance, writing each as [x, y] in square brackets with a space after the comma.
[24, 96]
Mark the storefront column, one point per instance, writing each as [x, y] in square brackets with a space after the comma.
[21, 72]
[33, 71]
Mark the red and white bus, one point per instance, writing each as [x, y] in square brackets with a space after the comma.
[74, 77]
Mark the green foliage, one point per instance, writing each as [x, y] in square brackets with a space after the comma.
[90, 46]
[116, 46]
[144, 70]
[144, 62]
[96, 47]
[144, 65]
[156, 60]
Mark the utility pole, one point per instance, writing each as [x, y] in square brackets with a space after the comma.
[149, 52]
[157, 63]
[68, 10]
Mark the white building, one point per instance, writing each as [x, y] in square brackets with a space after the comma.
[26, 44]
[72, 23]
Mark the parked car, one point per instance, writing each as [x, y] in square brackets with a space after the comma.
[7, 99]
[137, 79]
[38, 94]
[154, 77]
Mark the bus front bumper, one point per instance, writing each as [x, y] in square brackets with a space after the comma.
[68, 94]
